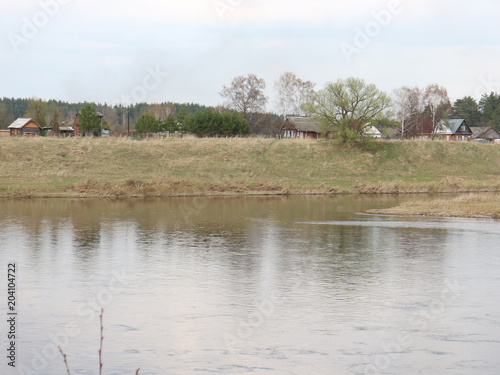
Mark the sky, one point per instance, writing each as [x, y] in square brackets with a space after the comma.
[123, 52]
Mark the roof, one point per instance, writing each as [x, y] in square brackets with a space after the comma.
[305, 124]
[450, 126]
[371, 130]
[484, 132]
[20, 122]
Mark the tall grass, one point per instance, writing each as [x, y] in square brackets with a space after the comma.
[484, 205]
[90, 167]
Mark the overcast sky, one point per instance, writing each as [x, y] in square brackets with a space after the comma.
[185, 51]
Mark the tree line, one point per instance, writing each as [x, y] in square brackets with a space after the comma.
[346, 106]
[55, 113]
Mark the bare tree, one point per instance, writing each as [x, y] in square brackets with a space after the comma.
[245, 95]
[111, 118]
[437, 103]
[293, 93]
[408, 105]
[161, 111]
[56, 121]
[37, 109]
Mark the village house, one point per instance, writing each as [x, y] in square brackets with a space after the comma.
[301, 127]
[372, 132]
[449, 129]
[25, 127]
[66, 130]
[485, 134]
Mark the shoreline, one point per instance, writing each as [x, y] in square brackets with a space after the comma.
[116, 168]
[481, 206]
[235, 193]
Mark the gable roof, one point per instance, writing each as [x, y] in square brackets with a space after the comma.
[20, 122]
[452, 126]
[484, 132]
[305, 124]
[371, 130]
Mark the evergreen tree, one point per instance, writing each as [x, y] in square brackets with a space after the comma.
[467, 108]
[90, 121]
[147, 123]
[490, 108]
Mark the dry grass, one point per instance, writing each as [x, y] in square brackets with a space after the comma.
[86, 167]
[467, 205]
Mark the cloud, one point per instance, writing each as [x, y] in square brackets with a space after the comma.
[90, 44]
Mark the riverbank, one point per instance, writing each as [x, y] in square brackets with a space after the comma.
[118, 167]
[467, 205]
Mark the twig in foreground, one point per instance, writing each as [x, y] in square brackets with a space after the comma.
[100, 346]
[65, 361]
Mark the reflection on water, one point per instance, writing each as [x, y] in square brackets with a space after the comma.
[303, 285]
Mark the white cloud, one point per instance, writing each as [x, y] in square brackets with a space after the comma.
[89, 44]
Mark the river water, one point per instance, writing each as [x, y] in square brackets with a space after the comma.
[298, 285]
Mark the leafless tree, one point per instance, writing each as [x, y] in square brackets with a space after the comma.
[56, 121]
[437, 103]
[111, 119]
[245, 95]
[408, 106]
[293, 93]
[161, 111]
[37, 109]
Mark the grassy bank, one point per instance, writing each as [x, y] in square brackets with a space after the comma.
[468, 205]
[84, 167]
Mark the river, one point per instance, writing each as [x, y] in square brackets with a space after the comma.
[273, 285]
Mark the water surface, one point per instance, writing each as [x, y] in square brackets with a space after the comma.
[303, 285]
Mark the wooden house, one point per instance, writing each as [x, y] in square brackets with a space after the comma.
[372, 132]
[301, 127]
[66, 130]
[485, 134]
[24, 126]
[449, 129]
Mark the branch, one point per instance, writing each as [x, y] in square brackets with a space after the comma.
[65, 361]
[100, 346]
